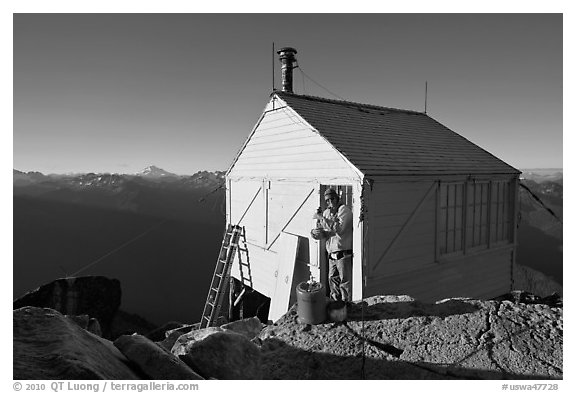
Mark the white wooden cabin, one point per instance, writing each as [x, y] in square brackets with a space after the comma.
[434, 214]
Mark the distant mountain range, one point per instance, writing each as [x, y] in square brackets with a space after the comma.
[152, 191]
[540, 175]
[151, 173]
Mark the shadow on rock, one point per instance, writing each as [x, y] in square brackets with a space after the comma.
[409, 308]
[283, 361]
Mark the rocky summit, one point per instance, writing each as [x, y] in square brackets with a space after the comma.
[397, 337]
[518, 336]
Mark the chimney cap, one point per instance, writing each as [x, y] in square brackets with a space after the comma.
[287, 49]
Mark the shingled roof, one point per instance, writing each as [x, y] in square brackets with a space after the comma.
[386, 141]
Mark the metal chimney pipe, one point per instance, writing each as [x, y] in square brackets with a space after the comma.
[287, 59]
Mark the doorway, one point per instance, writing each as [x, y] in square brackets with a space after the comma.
[345, 194]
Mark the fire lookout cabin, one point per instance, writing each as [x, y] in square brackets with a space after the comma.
[434, 215]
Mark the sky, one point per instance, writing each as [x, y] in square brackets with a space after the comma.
[119, 92]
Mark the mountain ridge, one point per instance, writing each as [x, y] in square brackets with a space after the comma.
[150, 171]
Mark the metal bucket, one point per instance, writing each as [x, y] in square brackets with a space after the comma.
[311, 303]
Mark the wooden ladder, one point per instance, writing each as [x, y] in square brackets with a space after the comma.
[221, 276]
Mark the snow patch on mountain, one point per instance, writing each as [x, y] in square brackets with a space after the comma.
[155, 172]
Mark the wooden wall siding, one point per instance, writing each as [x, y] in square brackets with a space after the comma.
[241, 195]
[265, 265]
[485, 276]
[286, 199]
[279, 205]
[263, 269]
[284, 146]
[280, 300]
[391, 206]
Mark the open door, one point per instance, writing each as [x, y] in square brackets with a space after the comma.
[345, 193]
[288, 247]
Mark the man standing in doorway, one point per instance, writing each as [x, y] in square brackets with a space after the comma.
[335, 225]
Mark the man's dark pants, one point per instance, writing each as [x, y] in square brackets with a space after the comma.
[340, 278]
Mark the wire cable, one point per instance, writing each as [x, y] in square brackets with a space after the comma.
[203, 197]
[200, 200]
[318, 84]
[537, 199]
[119, 247]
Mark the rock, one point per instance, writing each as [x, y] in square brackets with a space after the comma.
[85, 322]
[249, 327]
[174, 334]
[553, 300]
[125, 323]
[152, 359]
[48, 345]
[96, 296]
[401, 338]
[187, 339]
[220, 354]
[94, 327]
[161, 333]
[80, 320]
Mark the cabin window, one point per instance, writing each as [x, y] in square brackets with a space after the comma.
[500, 212]
[450, 218]
[486, 219]
[477, 214]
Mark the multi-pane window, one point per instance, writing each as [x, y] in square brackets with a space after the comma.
[450, 218]
[477, 214]
[473, 215]
[500, 212]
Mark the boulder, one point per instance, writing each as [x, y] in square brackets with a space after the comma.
[153, 360]
[85, 322]
[96, 296]
[184, 340]
[94, 327]
[173, 335]
[220, 354]
[249, 327]
[48, 345]
[161, 332]
[80, 320]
